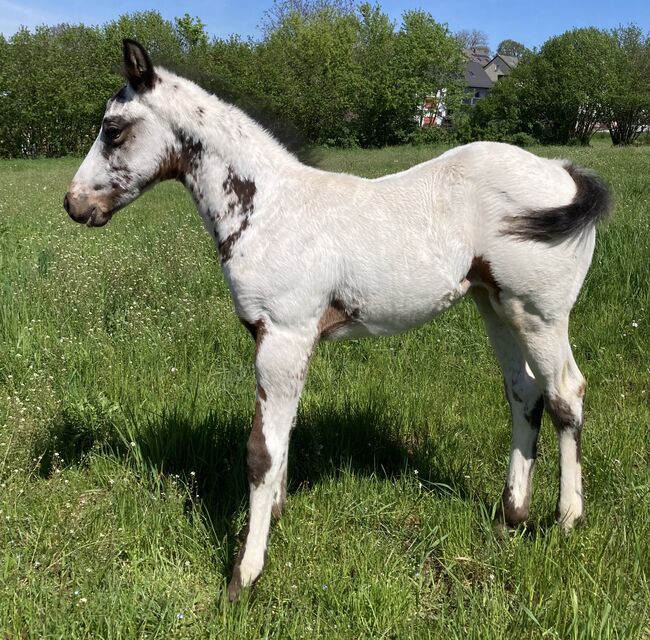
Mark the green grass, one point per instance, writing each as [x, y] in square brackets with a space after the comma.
[126, 394]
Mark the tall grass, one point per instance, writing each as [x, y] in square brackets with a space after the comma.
[126, 391]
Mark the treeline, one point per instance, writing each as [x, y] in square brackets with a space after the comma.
[577, 82]
[337, 73]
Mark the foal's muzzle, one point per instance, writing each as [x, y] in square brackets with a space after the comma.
[81, 209]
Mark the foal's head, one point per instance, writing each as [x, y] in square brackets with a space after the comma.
[137, 145]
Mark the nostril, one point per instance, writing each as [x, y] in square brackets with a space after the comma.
[66, 203]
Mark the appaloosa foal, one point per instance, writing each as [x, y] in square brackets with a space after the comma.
[310, 255]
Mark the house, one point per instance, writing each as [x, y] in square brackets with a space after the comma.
[500, 66]
[477, 82]
[434, 111]
[482, 72]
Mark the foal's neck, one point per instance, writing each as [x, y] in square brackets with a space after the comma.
[229, 161]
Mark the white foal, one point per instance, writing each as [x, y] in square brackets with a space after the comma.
[310, 255]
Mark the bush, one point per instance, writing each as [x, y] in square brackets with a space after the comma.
[521, 139]
[431, 135]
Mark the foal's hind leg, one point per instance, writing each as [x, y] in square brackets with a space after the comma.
[526, 407]
[280, 365]
[547, 349]
[545, 344]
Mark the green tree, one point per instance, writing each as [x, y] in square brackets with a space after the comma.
[377, 103]
[55, 86]
[150, 29]
[627, 109]
[307, 72]
[512, 48]
[191, 33]
[280, 10]
[430, 64]
[558, 95]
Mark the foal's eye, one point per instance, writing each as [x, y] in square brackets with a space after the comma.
[111, 134]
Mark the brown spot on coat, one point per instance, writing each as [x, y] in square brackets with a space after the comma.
[235, 584]
[480, 273]
[565, 420]
[180, 161]
[561, 414]
[259, 459]
[334, 317]
[240, 194]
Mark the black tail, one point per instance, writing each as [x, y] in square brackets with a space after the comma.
[591, 204]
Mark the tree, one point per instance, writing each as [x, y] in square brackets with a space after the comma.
[307, 71]
[274, 17]
[470, 39]
[512, 48]
[377, 106]
[628, 101]
[558, 95]
[574, 71]
[191, 32]
[150, 29]
[430, 62]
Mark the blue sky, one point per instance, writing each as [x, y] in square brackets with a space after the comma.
[528, 22]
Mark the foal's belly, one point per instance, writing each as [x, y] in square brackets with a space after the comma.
[387, 316]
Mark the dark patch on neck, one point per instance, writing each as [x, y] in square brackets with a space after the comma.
[182, 160]
[239, 194]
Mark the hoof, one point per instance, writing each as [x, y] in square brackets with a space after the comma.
[501, 529]
[570, 516]
[234, 587]
[570, 522]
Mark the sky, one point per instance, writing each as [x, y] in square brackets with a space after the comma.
[530, 23]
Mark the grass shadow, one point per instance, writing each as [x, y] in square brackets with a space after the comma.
[209, 453]
[212, 452]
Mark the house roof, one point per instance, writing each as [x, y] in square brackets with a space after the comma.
[511, 61]
[476, 77]
[478, 54]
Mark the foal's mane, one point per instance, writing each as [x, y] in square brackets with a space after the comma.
[254, 106]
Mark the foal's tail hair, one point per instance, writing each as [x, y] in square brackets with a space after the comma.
[591, 204]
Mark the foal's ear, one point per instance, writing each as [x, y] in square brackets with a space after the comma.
[138, 69]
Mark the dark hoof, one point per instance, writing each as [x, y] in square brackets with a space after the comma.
[508, 521]
[502, 529]
[234, 588]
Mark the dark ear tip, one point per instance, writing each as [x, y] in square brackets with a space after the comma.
[127, 42]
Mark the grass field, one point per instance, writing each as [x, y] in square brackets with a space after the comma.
[126, 394]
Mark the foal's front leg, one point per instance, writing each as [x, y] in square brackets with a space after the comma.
[281, 361]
